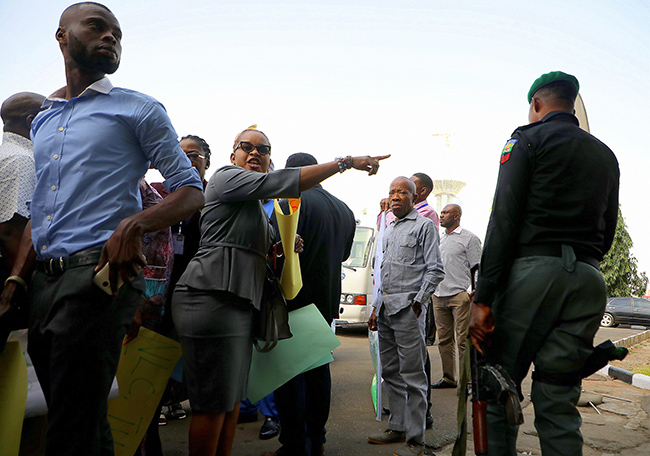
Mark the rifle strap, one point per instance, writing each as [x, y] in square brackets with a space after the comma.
[460, 445]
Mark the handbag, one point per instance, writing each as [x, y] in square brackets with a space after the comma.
[272, 320]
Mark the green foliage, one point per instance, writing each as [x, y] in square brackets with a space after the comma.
[619, 266]
[645, 370]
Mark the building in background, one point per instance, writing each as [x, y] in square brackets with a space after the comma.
[445, 192]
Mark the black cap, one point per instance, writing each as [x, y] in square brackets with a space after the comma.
[300, 159]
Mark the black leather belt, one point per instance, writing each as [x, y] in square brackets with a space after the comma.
[553, 250]
[61, 264]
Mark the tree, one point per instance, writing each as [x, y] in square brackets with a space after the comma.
[619, 266]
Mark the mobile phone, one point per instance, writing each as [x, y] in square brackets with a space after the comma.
[102, 281]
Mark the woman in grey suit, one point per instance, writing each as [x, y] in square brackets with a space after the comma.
[214, 299]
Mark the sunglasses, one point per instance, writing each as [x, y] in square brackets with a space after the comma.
[194, 156]
[249, 147]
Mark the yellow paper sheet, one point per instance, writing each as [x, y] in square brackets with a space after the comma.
[290, 280]
[13, 397]
[311, 346]
[145, 366]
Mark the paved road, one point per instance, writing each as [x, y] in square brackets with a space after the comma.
[352, 415]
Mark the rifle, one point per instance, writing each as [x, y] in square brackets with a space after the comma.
[491, 382]
[603, 353]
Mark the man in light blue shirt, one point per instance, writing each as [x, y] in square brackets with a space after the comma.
[91, 148]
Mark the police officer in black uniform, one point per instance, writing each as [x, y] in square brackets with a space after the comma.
[540, 295]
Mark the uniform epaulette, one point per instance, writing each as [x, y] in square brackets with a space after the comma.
[526, 127]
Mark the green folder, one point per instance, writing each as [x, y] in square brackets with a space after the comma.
[310, 347]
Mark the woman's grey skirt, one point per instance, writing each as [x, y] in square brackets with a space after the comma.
[215, 330]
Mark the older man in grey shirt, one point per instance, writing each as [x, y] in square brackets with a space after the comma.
[410, 271]
[461, 253]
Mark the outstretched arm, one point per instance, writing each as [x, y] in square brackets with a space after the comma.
[123, 250]
[315, 174]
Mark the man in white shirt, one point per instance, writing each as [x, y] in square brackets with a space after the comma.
[17, 174]
[461, 254]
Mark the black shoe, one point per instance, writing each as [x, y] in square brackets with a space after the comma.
[442, 384]
[176, 412]
[429, 420]
[270, 428]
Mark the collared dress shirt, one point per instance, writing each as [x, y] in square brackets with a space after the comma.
[17, 176]
[461, 251]
[423, 209]
[90, 153]
[411, 267]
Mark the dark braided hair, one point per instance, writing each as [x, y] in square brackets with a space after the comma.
[204, 147]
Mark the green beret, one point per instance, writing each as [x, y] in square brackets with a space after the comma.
[551, 77]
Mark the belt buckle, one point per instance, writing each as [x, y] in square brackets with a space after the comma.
[49, 266]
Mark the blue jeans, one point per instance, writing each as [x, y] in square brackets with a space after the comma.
[266, 407]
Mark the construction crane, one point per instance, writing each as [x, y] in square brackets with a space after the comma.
[446, 135]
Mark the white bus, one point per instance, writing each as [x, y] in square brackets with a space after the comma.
[357, 279]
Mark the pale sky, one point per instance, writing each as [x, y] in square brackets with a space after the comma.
[371, 77]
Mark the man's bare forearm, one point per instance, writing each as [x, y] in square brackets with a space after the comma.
[26, 254]
[123, 250]
[180, 204]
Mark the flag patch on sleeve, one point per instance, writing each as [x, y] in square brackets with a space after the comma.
[505, 153]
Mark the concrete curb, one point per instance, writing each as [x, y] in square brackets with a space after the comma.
[633, 340]
[638, 380]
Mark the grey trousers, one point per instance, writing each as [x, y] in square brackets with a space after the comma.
[547, 315]
[403, 353]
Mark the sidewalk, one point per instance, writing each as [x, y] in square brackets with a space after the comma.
[622, 428]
